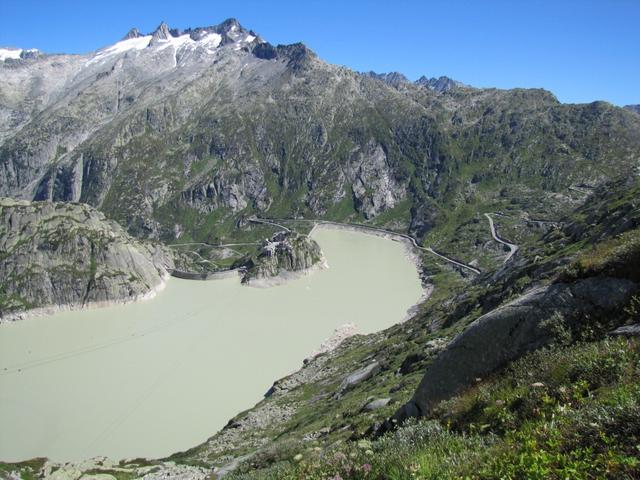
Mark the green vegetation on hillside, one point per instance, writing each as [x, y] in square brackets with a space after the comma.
[562, 412]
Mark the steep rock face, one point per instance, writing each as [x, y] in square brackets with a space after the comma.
[375, 189]
[510, 331]
[285, 252]
[57, 255]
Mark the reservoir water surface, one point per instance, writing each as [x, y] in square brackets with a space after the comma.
[155, 377]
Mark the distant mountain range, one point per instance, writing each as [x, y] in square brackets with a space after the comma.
[217, 121]
[440, 84]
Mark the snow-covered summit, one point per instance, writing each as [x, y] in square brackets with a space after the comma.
[206, 39]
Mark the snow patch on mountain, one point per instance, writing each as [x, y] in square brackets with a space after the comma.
[175, 42]
[209, 41]
[137, 43]
[10, 53]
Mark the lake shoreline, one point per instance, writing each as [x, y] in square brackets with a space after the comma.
[286, 276]
[411, 252]
[72, 307]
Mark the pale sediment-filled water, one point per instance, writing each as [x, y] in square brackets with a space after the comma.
[162, 375]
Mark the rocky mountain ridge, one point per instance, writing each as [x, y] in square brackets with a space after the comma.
[440, 84]
[167, 137]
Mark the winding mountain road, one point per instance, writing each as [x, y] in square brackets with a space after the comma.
[379, 230]
[450, 260]
[216, 245]
[512, 247]
[274, 222]
[267, 222]
[579, 190]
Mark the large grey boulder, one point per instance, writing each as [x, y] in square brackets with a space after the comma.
[627, 331]
[376, 404]
[359, 376]
[510, 331]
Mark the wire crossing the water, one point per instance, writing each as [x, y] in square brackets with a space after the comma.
[99, 346]
[140, 400]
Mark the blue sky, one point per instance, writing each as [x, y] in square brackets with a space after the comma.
[580, 50]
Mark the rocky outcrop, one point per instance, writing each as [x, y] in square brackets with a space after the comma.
[103, 468]
[280, 256]
[58, 256]
[508, 332]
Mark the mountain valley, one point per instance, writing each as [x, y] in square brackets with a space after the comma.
[209, 151]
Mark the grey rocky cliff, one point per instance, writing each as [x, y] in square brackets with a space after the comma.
[284, 253]
[58, 256]
[374, 187]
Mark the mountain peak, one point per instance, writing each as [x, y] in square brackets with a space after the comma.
[133, 33]
[229, 23]
[231, 31]
[160, 35]
[162, 32]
